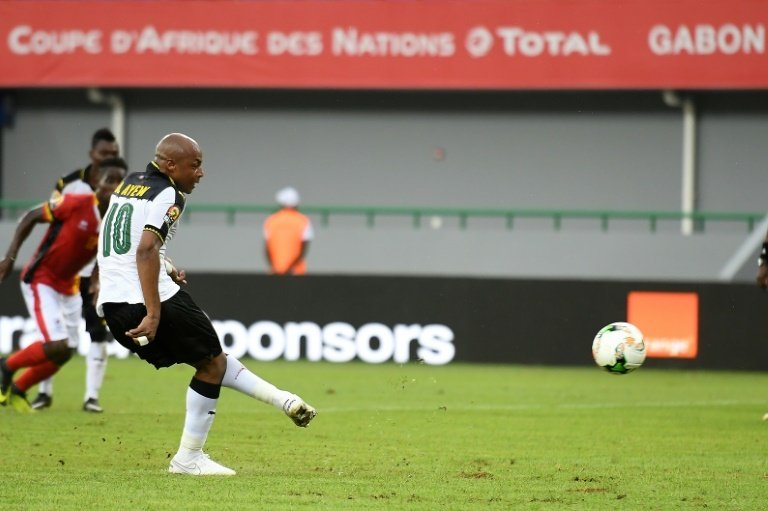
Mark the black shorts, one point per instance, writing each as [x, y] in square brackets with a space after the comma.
[185, 334]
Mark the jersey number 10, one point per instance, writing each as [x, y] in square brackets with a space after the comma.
[117, 230]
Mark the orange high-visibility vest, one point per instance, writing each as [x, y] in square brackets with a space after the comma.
[285, 231]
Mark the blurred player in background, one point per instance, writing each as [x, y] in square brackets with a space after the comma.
[287, 234]
[49, 283]
[104, 148]
[149, 314]
[762, 265]
[762, 276]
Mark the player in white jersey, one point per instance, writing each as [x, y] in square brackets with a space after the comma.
[148, 312]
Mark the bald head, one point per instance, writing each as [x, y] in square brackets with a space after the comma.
[175, 146]
[180, 157]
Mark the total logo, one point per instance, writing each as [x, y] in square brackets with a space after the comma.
[517, 41]
[373, 343]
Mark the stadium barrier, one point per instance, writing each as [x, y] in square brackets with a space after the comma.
[14, 207]
[451, 320]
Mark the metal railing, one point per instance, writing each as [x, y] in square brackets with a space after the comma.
[463, 215]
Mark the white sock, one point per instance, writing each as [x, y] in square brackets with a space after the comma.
[46, 387]
[200, 414]
[238, 377]
[95, 368]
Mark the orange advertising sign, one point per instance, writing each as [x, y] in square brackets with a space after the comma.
[669, 322]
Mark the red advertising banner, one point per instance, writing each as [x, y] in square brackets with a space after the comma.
[379, 44]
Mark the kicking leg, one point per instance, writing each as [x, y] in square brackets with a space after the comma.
[238, 377]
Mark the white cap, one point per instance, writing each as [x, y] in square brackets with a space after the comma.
[287, 197]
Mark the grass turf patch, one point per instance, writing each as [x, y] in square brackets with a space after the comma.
[402, 437]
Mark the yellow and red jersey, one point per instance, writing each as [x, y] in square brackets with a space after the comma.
[68, 245]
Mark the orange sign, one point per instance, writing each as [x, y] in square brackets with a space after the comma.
[669, 322]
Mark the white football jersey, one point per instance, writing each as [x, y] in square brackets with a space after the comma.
[144, 201]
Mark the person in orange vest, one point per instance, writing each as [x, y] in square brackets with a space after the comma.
[287, 234]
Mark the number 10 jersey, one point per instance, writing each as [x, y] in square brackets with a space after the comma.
[144, 201]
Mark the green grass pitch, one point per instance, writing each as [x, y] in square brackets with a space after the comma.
[402, 437]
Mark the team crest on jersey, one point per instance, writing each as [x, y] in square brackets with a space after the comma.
[172, 215]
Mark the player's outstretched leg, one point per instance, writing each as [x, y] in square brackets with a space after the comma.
[300, 412]
[239, 378]
[201, 410]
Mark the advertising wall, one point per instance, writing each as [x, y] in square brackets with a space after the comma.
[451, 320]
[443, 44]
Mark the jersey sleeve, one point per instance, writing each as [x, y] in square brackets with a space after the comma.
[60, 208]
[164, 212]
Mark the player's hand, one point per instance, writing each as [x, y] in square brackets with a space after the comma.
[762, 276]
[178, 276]
[94, 287]
[145, 332]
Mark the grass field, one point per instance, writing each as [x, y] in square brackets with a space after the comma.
[406, 437]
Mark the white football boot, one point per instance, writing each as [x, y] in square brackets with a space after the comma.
[198, 464]
[300, 412]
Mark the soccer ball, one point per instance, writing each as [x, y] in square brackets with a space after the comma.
[619, 348]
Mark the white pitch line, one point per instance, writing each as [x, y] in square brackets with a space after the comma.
[524, 407]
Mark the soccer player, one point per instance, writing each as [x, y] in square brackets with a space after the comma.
[49, 283]
[148, 312]
[762, 276]
[762, 265]
[104, 149]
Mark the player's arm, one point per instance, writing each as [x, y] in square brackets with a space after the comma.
[94, 285]
[148, 265]
[762, 265]
[164, 211]
[26, 224]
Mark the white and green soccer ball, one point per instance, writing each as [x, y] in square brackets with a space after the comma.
[619, 348]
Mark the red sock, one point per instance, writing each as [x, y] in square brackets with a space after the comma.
[36, 374]
[28, 357]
